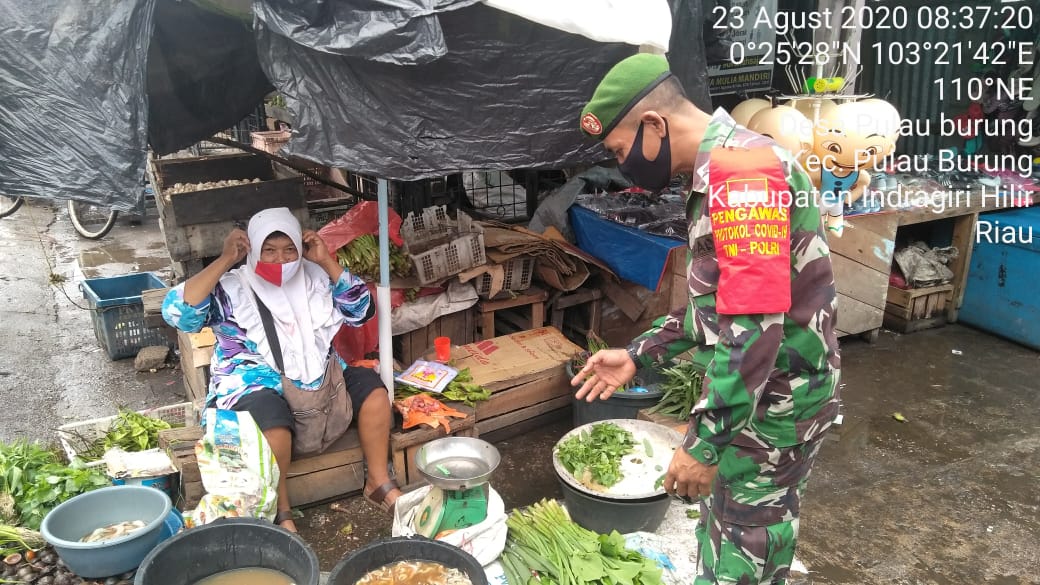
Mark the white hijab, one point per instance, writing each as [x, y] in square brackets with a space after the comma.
[304, 315]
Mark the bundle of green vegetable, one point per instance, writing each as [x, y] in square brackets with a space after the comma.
[461, 389]
[361, 257]
[682, 388]
[33, 482]
[545, 547]
[14, 539]
[594, 458]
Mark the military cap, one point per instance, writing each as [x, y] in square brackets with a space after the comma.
[622, 87]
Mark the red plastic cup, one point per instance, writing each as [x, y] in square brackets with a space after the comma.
[442, 345]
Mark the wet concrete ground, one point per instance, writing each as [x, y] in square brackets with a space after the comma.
[52, 370]
[951, 496]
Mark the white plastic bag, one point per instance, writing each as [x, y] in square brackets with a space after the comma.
[485, 541]
[238, 469]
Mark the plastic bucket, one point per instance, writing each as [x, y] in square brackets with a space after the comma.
[603, 514]
[620, 404]
[65, 525]
[226, 544]
[159, 482]
[381, 553]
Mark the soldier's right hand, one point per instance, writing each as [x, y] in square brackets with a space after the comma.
[605, 372]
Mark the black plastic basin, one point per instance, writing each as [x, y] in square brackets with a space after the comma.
[414, 548]
[226, 544]
[604, 514]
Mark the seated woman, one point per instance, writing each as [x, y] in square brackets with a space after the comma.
[309, 299]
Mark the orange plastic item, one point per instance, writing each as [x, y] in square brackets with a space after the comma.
[423, 409]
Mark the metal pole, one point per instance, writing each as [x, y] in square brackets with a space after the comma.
[386, 348]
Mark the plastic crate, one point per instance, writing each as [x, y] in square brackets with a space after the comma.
[79, 436]
[518, 274]
[117, 313]
[270, 141]
[440, 246]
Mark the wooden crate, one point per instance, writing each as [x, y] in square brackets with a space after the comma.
[337, 472]
[179, 444]
[862, 261]
[459, 326]
[523, 400]
[405, 443]
[915, 309]
[196, 353]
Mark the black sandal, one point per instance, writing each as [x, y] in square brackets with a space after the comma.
[282, 516]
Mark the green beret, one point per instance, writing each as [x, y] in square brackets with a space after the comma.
[623, 86]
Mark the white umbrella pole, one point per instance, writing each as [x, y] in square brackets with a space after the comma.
[386, 347]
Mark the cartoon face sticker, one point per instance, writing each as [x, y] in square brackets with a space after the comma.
[787, 126]
[854, 135]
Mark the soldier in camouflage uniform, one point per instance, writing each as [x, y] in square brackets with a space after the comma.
[768, 346]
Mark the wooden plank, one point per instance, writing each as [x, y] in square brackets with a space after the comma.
[859, 282]
[176, 241]
[323, 485]
[180, 438]
[967, 206]
[526, 426]
[196, 375]
[237, 203]
[213, 168]
[423, 434]
[152, 300]
[498, 422]
[897, 323]
[856, 316]
[344, 451]
[870, 242]
[524, 395]
[963, 240]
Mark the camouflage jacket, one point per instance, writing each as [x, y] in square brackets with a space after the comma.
[771, 379]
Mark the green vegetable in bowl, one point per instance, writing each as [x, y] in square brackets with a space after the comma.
[594, 458]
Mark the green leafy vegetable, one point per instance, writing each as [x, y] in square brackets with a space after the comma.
[14, 539]
[544, 547]
[594, 458]
[55, 483]
[33, 481]
[460, 389]
[648, 448]
[132, 431]
[682, 388]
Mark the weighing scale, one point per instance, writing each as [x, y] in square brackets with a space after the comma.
[458, 470]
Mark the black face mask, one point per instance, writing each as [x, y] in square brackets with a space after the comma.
[652, 175]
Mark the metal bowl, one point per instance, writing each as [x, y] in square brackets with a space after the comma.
[640, 469]
[457, 463]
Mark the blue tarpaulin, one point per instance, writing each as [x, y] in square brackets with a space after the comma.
[632, 254]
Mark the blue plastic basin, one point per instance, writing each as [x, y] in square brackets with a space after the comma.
[65, 525]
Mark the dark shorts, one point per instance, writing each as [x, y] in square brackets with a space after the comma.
[270, 410]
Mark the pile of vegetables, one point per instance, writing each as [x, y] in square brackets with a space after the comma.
[682, 388]
[545, 547]
[461, 389]
[130, 431]
[37, 564]
[361, 257]
[33, 481]
[594, 458]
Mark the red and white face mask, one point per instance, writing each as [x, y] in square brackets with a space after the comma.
[276, 273]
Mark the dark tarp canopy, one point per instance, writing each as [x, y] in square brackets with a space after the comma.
[401, 89]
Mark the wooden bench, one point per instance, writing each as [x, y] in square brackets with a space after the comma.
[533, 297]
[336, 473]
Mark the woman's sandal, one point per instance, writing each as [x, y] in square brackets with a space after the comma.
[282, 516]
[377, 497]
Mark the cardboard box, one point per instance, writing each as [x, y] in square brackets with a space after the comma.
[526, 373]
[504, 362]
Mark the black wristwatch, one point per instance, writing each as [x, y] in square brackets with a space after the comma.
[632, 353]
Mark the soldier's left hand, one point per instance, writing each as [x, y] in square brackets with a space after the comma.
[687, 477]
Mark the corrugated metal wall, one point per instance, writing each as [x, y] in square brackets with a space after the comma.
[911, 88]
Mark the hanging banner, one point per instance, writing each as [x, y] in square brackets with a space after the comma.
[739, 46]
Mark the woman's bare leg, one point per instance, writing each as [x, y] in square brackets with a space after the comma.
[280, 439]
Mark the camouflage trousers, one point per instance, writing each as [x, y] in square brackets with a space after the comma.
[749, 525]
